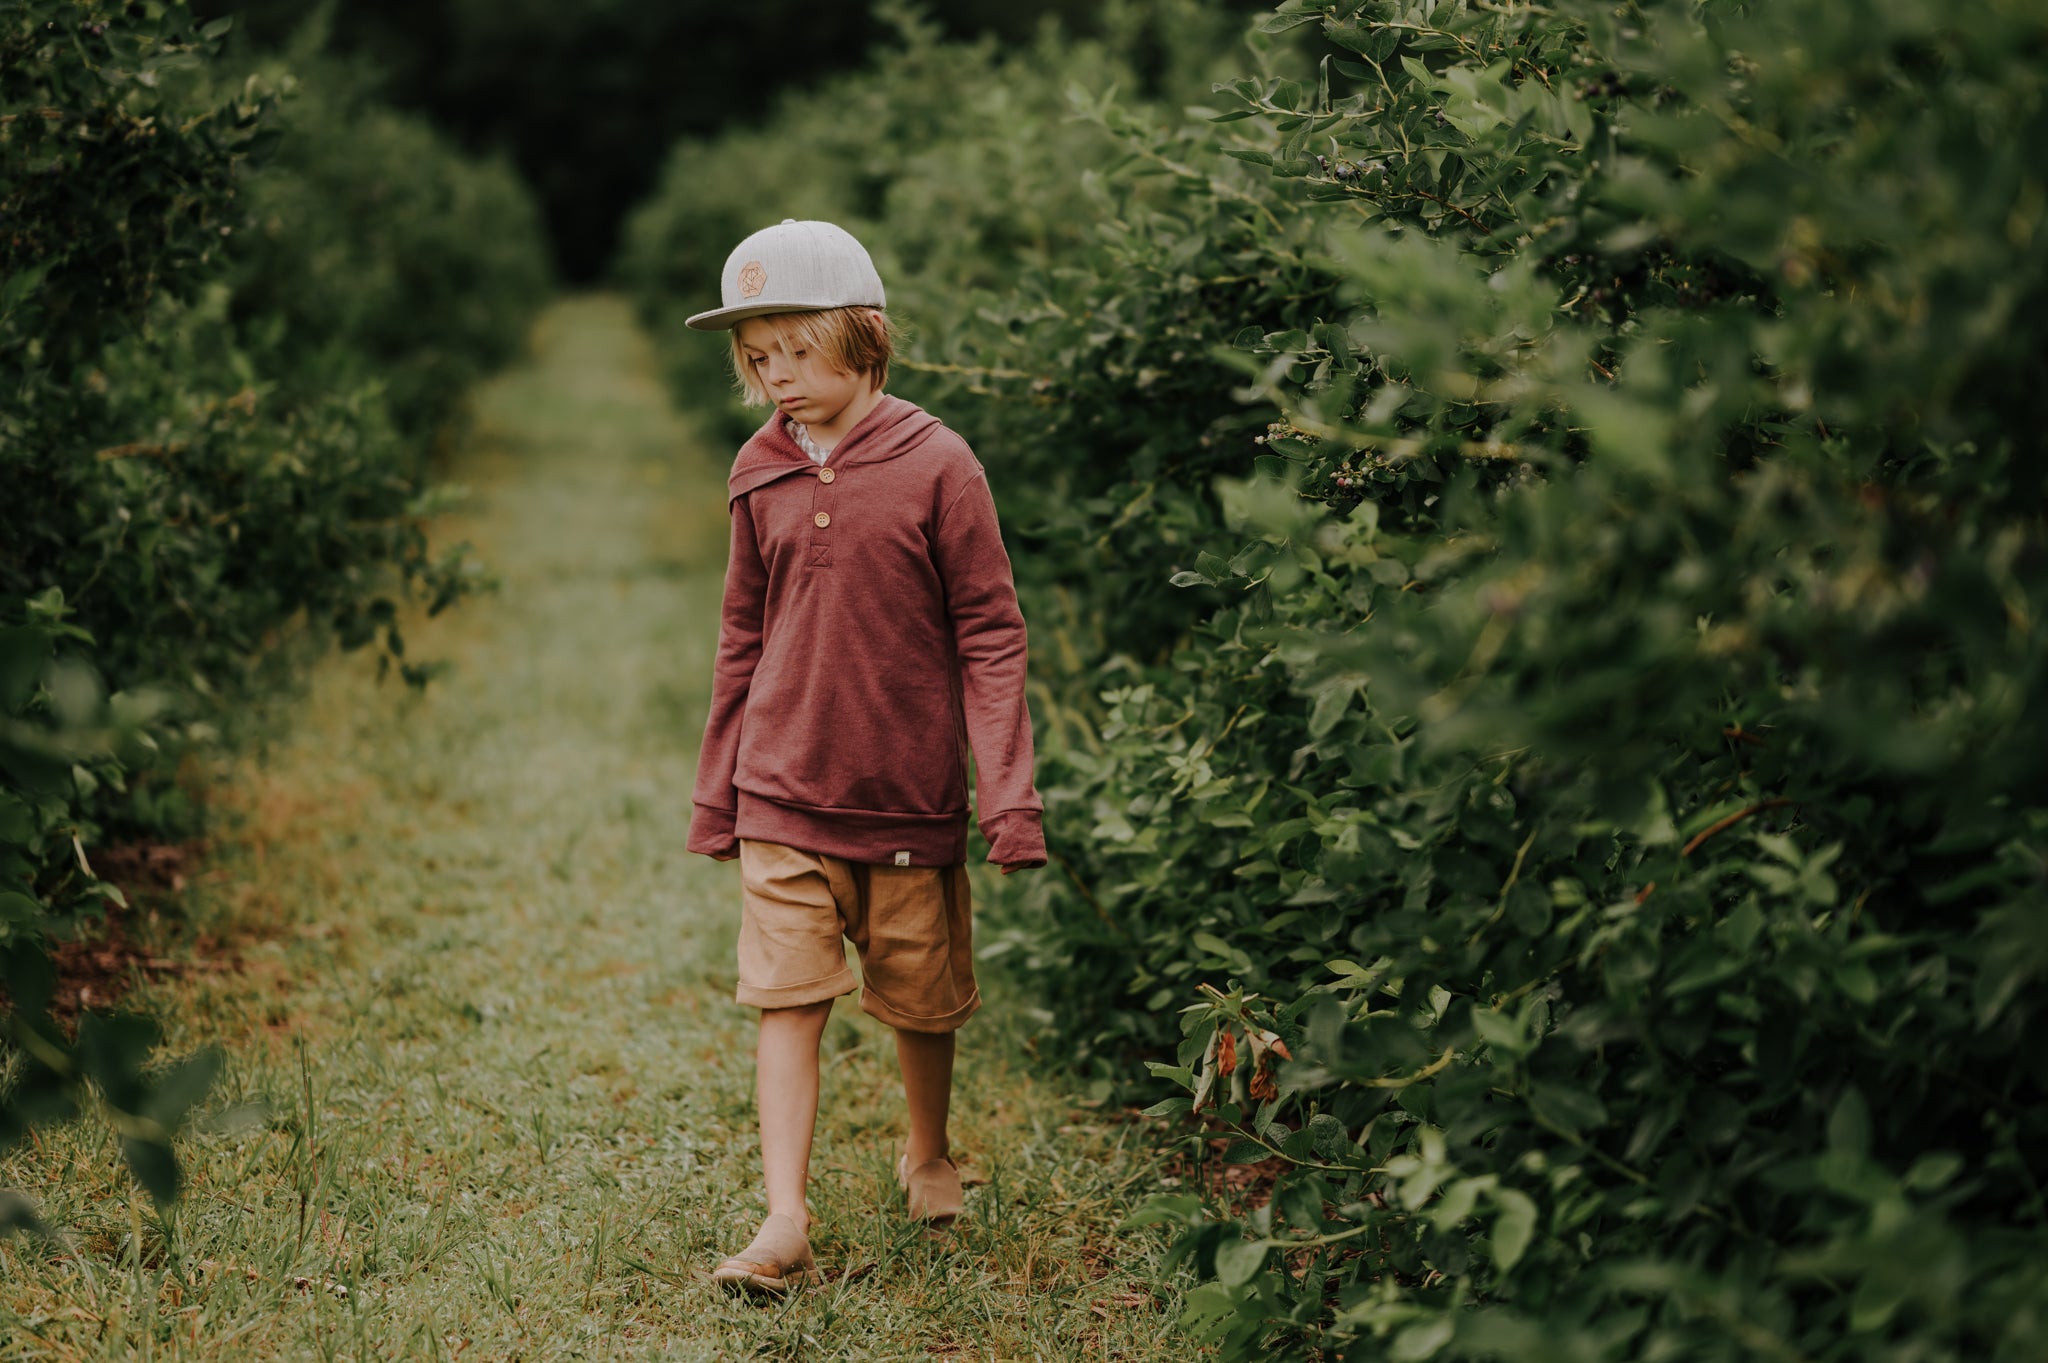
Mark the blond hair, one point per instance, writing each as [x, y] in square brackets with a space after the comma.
[850, 340]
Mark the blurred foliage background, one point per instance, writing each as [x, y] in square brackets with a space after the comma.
[1531, 519]
[587, 98]
[242, 301]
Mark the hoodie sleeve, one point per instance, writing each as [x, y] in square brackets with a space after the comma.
[988, 632]
[739, 649]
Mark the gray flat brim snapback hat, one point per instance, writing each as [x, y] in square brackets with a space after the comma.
[793, 267]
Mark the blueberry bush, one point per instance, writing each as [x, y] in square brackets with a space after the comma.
[238, 304]
[1532, 524]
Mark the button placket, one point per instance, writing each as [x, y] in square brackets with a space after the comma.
[821, 545]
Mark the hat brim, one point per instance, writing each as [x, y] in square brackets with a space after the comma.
[724, 319]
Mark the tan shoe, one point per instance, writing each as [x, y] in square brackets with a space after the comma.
[932, 1189]
[778, 1259]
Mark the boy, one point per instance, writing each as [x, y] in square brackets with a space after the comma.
[870, 635]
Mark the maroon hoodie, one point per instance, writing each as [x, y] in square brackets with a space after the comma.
[870, 635]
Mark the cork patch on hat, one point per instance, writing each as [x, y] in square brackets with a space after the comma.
[753, 279]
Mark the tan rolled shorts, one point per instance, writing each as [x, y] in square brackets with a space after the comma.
[911, 925]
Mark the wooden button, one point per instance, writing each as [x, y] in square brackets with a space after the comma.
[821, 520]
[826, 475]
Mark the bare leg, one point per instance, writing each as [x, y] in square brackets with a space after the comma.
[927, 1060]
[786, 1093]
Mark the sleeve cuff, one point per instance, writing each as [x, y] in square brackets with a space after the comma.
[1016, 838]
[711, 831]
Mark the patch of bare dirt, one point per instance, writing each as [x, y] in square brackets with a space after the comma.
[100, 959]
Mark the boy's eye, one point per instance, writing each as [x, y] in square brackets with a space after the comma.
[798, 354]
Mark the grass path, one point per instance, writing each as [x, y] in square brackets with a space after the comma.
[488, 1096]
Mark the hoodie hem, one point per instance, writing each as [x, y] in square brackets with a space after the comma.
[874, 837]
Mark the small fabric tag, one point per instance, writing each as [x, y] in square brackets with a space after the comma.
[903, 858]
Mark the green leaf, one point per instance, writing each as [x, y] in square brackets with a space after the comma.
[28, 975]
[1166, 1209]
[154, 1167]
[1634, 433]
[1857, 981]
[1513, 1228]
[1216, 946]
[182, 1087]
[1336, 340]
[1183, 1075]
[18, 910]
[24, 653]
[1499, 1031]
[1238, 1260]
[1877, 1299]
[1933, 1171]
[19, 285]
[1328, 711]
[1457, 1199]
[1389, 572]
[1286, 22]
[1422, 1340]
[18, 1215]
[1849, 1125]
[1575, 1109]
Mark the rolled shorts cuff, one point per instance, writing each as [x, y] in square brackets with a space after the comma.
[879, 1008]
[797, 995]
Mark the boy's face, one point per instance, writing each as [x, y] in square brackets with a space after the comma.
[800, 384]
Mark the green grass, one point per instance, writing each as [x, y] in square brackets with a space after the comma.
[488, 1095]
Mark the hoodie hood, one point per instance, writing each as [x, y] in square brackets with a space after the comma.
[894, 427]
